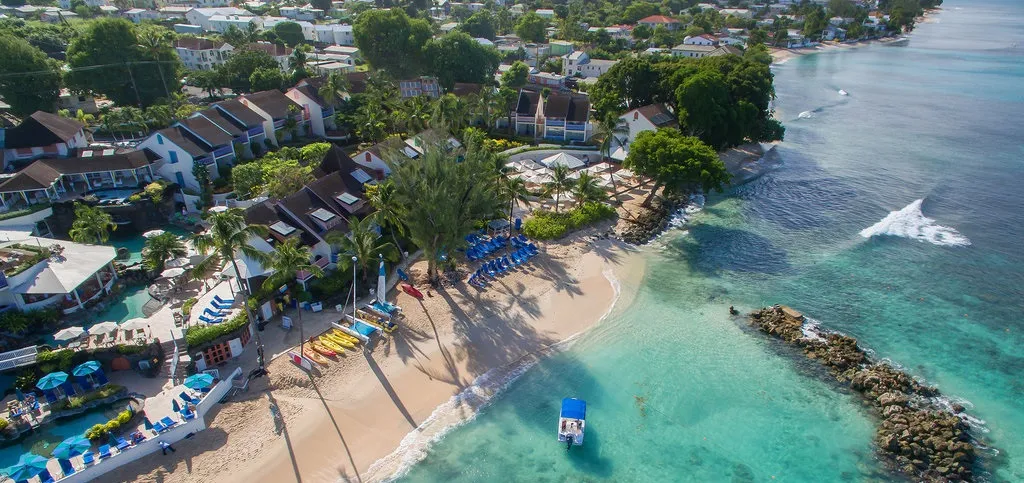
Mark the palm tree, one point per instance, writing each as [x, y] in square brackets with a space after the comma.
[449, 113]
[91, 225]
[388, 212]
[418, 113]
[161, 248]
[514, 190]
[154, 41]
[298, 59]
[371, 121]
[560, 183]
[333, 86]
[365, 244]
[287, 260]
[490, 106]
[228, 235]
[606, 132]
[586, 189]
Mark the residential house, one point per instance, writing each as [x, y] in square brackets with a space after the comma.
[74, 102]
[348, 50]
[337, 34]
[703, 39]
[736, 12]
[580, 64]
[546, 79]
[308, 29]
[420, 86]
[281, 115]
[647, 118]
[137, 15]
[187, 143]
[448, 27]
[796, 40]
[221, 23]
[655, 21]
[546, 13]
[66, 4]
[833, 33]
[373, 157]
[42, 135]
[441, 9]
[47, 180]
[517, 9]
[202, 16]
[34, 277]
[693, 51]
[280, 54]
[239, 115]
[173, 11]
[305, 13]
[617, 32]
[202, 54]
[562, 116]
[560, 47]
[315, 108]
[56, 16]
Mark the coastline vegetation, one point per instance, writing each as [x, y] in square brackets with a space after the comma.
[548, 225]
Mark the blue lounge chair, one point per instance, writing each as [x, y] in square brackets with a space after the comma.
[220, 301]
[508, 261]
[86, 385]
[490, 269]
[88, 458]
[185, 413]
[104, 451]
[50, 398]
[101, 379]
[66, 467]
[185, 397]
[122, 444]
[209, 320]
[168, 422]
[159, 427]
[214, 313]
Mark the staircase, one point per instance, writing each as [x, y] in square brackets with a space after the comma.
[183, 358]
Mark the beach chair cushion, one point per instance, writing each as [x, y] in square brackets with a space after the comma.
[104, 451]
[217, 313]
[122, 444]
[168, 422]
[88, 457]
[216, 298]
[185, 413]
[159, 427]
[210, 320]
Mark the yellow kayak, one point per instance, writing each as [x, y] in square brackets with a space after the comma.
[339, 340]
[345, 337]
[314, 356]
[320, 348]
[368, 316]
[330, 344]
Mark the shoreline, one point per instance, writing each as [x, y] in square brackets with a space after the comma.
[781, 55]
[453, 354]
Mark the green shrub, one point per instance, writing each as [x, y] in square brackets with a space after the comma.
[60, 359]
[547, 225]
[96, 432]
[198, 335]
[334, 283]
[155, 191]
[123, 418]
[3, 424]
[129, 349]
[76, 402]
[18, 321]
[186, 308]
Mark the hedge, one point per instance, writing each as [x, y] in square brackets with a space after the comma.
[106, 391]
[198, 335]
[3, 424]
[186, 308]
[98, 431]
[547, 225]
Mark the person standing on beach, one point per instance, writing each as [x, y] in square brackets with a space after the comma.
[164, 446]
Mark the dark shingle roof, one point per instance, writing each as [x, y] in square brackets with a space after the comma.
[658, 114]
[184, 141]
[192, 43]
[240, 113]
[206, 130]
[222, 121]
[527, 105]
[42, 129]
[273, 50]
[273, 102]
[465, 88]
[332, 186]
[42, 173]
[571, 107]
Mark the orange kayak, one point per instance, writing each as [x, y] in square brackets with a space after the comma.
[409, 289]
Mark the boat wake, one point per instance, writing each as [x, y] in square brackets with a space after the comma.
[805, 115]
[910, 222]
[466, 405]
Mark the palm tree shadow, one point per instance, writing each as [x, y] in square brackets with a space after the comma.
[389, 388]
[337, 429]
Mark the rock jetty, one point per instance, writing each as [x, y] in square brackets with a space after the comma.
[649, 222]
[917, 435]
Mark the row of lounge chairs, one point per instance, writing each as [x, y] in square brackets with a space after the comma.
[499, 266]
[102, 453]
[217, 310]
[483, 248]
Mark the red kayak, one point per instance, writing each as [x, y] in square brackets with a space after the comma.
[409, 289]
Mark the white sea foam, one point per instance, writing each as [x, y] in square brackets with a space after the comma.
[805, 115]
[464, 406]
[910, 222]
[843, 92]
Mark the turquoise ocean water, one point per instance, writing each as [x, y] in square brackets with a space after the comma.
[679, 391]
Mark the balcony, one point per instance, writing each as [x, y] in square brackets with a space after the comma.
[205, 160]
[223, 151]
[278, 124]
[555, 123]
[573, 126]
[255, 132]
[327, 112]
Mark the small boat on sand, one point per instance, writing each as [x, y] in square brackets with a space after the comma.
[322, 349]
[314, 356]
[409, 289]
[572, 421]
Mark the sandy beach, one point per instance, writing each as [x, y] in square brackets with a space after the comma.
[356, 411]
[780, 55]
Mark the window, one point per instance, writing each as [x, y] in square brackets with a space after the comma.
[159, 139]
[174, 157]
[179, 178]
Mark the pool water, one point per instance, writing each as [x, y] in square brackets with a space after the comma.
[43, 440]
[135, 243]
[134, 297]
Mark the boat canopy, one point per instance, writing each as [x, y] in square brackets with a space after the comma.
[574, 408]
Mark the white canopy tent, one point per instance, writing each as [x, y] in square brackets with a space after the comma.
[562, 159]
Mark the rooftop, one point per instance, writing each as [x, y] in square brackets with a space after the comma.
[62, 273]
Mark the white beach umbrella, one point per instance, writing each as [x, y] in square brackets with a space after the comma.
[153, 233]
[598, 168]
[69, 333]
[531, 164]
[172, 272]
[103, 328]
[625, 173]
[563, 159]
[178, 262]
[134, 324]
[218, 209]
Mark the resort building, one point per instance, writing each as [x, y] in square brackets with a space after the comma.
[58, 179]
[41, 135]
[319, 113]
[420, 86]
[196, 140]
[334, 34]
[280, 54]
[281, 116]
[647, 118]
[221, 23]
[202, 54]
[37, 273]
[580, 64]
[562, 116]
[239, 115]
[202, 16]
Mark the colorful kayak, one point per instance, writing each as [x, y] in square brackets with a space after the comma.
[322, 349]
[345, 337]
[340, 341]
[330, 344]
[312, 355]
[409, 289]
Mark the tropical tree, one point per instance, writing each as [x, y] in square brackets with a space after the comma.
[560, 183]
[443, 199]
[586, 189]
[228, 236]
[288, 260]
[29, 80]
[513, 191]
[449, 113]
[417, 112]
[333, 86]
[154, 41]
[364, 243]
[387, 212]
[91, 225]
[677, 162]
[607, 131]
[372, 122]
[161, 248]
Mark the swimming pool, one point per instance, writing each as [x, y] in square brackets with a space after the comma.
[45, 438]
[135, 243]
[114, 196]
[132, 299]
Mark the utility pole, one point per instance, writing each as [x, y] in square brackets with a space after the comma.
[134, 87]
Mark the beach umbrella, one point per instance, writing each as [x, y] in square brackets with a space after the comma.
[153, 233]
[175, 406]
[178, 262]
[172, 272]
[86, 368]
[52, 380]
[382, 286]
[71, 447]
[28, 465]
[69, 333]
[625, 173]
[103, 328]
[198, 381]
[218, 209]
[134, 324]
[146, 423]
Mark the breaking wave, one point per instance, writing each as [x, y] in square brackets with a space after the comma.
[910, 222]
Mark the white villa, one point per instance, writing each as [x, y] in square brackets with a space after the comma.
[42, 272]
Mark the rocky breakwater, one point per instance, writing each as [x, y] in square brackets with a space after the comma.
[642, 224]
[917, 435]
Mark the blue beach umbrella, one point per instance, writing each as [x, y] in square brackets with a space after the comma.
[71, 447]
[198, 381]
[52, 380]
[175, 406]
[86, 368]
[28, 465]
